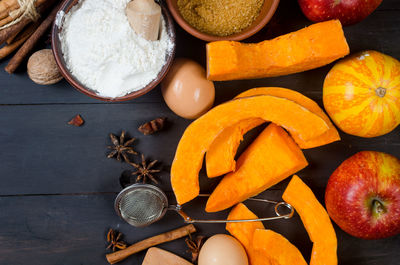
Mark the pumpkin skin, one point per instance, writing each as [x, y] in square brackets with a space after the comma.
[362, 94]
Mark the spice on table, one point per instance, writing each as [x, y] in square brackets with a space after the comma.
[17, 41]
[13, 11]
[114, 238]
[152, 126]
[120, 255]
[120, 147]
[220, 17]
[144, 171]
[14, 29]
[31, 41]
[6, 6]
[77, 121]
[194, 245]
[43, 69]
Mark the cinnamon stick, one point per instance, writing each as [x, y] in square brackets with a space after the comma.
[14, 35]
[6, 20]
[8, 49]
[5, 9]
[31, 42]
[43, 5]
[7, 32]
[120, 255]
[6, 6]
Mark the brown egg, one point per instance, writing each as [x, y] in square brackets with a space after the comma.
[222, 250]
[186, 89]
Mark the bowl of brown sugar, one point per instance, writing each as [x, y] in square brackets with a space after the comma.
[214, 20]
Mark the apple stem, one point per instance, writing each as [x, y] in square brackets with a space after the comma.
[378, 208]
[380, 92]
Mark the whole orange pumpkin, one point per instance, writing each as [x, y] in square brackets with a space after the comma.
[362, 94]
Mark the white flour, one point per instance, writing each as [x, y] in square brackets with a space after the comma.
[104, 53]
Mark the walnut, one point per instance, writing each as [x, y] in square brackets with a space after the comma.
[43, 69]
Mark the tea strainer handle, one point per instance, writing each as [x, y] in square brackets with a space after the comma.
[279, 215]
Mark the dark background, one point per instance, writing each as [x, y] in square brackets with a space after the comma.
[57, 186]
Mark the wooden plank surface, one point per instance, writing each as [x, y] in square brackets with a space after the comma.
[70, 229]
[46, 155]
[57, 186]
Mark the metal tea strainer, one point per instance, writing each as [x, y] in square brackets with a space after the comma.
[143, 204]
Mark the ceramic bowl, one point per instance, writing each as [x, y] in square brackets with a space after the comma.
[56, 47]
[267, 11]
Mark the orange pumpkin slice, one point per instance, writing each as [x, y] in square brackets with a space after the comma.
[243, 231]
[329, 136]
[316, 221]
[200, 134]
[275, 248]
[272, 157]
[299, 51]
[220, 158]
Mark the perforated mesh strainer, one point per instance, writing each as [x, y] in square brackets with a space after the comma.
[143, 204]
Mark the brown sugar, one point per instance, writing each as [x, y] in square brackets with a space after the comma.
[220, 17]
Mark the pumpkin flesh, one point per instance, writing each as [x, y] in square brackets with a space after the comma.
[305, 49]
[330, 136]
[272, 157]
[244, 231]
[200, 134]
[316, 221]
[271, 246]
[220, 157]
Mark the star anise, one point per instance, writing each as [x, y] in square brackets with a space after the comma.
[120, 147]
[144, 170]
[114, 240]
[194, 246]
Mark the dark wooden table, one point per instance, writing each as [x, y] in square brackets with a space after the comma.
[57, 186]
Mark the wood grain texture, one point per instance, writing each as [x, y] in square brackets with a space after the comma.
[51, 156]
[57, 186]
[45, 155]
[70, 229]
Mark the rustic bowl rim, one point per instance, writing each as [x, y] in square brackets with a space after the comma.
[56, 48]
[256, 26]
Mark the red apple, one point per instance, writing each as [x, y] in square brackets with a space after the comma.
[363, 195]
[347, 11]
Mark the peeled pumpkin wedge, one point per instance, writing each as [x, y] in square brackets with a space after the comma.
[302, 50]
[243, 231]
[200, 134]
[272, 157]
[272, 248]
[329, 136]
[316, 221]
[220, 158]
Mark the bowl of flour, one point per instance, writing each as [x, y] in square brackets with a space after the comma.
[100, 55]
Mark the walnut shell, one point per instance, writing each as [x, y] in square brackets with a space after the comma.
[43, 69]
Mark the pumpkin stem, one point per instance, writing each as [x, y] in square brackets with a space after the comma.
[377, 208]
[380, 92]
